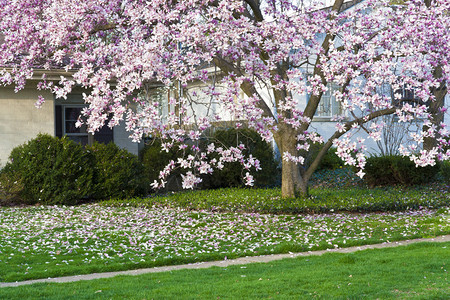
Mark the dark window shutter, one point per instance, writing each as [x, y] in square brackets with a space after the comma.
[58, 121]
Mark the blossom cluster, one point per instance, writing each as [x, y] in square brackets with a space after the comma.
[251, 63]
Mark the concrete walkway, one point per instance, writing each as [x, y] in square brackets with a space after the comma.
[223, 263]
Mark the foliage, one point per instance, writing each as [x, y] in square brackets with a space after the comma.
[322, 200]
[11, 187]
[238, 60]
[155, 160]
[70, 240]
[330, 161]
[117, 172]
[445, 171]
[232, 174]
[396, 169]
[51, 170]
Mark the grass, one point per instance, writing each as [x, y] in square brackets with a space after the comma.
[322, 200]
[51, 241]
[418, 271]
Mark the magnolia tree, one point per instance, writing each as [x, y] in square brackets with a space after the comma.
[256, 60]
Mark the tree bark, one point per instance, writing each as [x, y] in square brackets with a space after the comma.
[435, 110]
[293, 183]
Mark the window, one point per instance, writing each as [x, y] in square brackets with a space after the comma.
[66, 117]
[77, 134]
[329, 106]
[406, 95]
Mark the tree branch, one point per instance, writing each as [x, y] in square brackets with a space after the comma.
[248, 88]
[254, 5]
[313, 103]
[338, 134]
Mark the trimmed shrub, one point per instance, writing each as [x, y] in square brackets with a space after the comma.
[117, 172]
[445, 171]
[329, 162]
[395, 169]
[51, 170]
[154, 161]
[10, 188]
[232, 173]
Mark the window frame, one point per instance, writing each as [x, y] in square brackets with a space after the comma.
[335, 107]
[64, 120]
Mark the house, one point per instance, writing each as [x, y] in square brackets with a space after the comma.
[21, 121]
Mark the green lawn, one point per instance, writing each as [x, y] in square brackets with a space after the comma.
[51, 241]
[418, 271]
[322, 200]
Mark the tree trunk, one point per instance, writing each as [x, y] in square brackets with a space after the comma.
[293, 184]
[435, 110]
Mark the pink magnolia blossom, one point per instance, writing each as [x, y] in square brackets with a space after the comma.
[254, 62]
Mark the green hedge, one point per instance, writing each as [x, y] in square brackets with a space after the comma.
[393, 170]
[52, 171]
[329, 162]
[10, 188]
[154, 161]
[232, 173]
[445, 171]
[117, 172]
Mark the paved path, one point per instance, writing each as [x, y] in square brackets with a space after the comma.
[223, 263]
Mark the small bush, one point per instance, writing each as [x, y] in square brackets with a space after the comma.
[51, 170]
[329, 162]
[232, 173]
[11, 187]
[392, 170]
[117, 172]
[445, 171]
[154, 161]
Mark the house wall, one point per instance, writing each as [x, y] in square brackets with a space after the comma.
[120, 135]
[122, 139]
[20, 120]
[324, 125]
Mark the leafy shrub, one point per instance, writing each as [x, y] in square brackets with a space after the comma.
[232, 173]
[154, 161]
[445, 171]
[329, 162]
[117, 172]
[10, 188]
[52, 170]
[395, 169]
